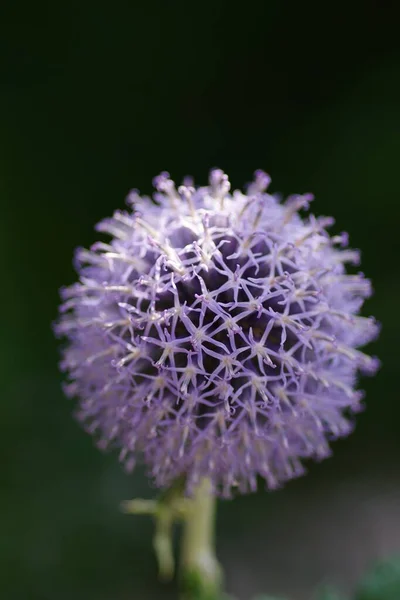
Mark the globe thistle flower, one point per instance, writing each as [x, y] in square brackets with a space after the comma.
[216, 335]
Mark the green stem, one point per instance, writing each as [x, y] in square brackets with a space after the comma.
[200, 570]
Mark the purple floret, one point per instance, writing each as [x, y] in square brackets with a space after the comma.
[216, 334]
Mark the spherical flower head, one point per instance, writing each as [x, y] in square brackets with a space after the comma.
[216, 334]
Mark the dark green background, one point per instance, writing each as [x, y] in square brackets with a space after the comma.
[97, 98]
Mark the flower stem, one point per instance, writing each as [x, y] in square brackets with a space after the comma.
[200, 571]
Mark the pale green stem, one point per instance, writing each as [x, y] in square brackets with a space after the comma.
[169, 508]
[201, 574]
[200, 571]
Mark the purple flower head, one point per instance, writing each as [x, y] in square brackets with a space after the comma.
[216, 334]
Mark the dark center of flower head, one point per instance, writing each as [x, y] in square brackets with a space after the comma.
[227, 326]
[216, 327]
[231, 328]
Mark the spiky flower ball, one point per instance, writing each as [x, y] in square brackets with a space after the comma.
[216, 334]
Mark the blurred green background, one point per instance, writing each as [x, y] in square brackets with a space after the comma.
[97, 98]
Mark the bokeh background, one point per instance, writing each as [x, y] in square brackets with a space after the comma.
[97, 98]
